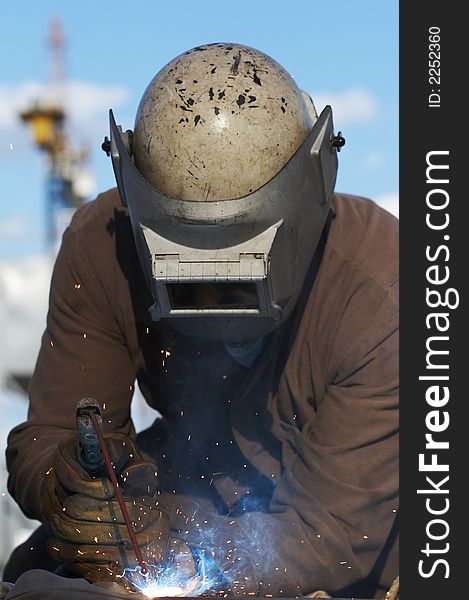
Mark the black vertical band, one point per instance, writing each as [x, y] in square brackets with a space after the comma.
[434, 273]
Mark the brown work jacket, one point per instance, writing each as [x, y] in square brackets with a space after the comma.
[292, 464]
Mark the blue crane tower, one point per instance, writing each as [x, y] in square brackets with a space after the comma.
[47, 120]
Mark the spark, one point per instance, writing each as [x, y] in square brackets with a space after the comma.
[104, 405]
[50, 469]
[76, 529]
[52, 343]
[34, 439]
[11, 146]
[84, 336]
[77, 286]
[365, 537]
[95, 539]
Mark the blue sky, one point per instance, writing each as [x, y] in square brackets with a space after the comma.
[342, 53]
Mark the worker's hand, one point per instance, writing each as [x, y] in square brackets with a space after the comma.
[87, 528]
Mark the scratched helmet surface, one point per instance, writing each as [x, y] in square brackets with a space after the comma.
[228, 178]
[218, 122]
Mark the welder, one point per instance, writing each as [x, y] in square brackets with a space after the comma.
[257, 311]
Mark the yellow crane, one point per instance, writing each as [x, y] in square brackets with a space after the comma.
[47, 119]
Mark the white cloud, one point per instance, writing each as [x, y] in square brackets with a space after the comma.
[86, 99]
[374, 160]
[390, 202]
[15, 98]
[24, 287]
[83, 100]
[349, 106]
[13, 227]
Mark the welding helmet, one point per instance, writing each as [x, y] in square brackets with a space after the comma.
[227, 177]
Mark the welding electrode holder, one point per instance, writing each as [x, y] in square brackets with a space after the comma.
[90, 455]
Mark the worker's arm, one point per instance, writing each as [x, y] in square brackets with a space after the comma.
[84, 352]
[336, 501]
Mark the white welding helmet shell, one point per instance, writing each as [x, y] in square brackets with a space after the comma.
[225, 247]
[217, 122]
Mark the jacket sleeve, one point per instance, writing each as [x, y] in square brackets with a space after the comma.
[336, 499]
[83, 353]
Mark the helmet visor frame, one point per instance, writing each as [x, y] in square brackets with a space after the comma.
[264, 240]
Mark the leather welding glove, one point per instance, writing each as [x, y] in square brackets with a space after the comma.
[83, 517]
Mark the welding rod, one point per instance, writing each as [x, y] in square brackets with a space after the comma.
[94, 457]
[120, 499]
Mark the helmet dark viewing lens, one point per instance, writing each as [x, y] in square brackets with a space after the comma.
[212, 295]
